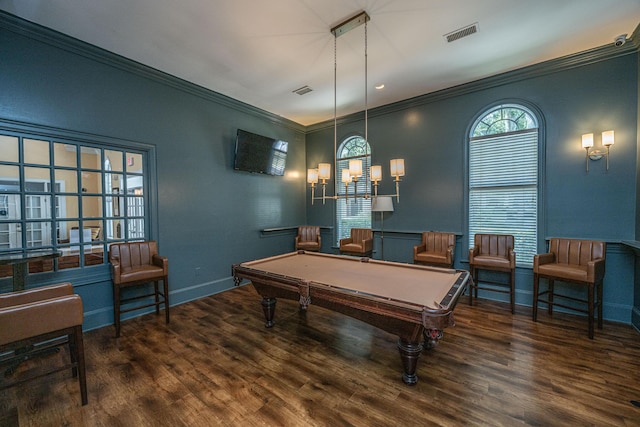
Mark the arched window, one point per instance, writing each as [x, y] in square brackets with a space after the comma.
[503, 177]
[353, 212]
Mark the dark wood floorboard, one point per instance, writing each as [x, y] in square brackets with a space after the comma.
[217, 365]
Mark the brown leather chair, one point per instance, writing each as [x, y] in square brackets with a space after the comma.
[494, 252]
[360, 243]
[437, 249]
[308, 238]
[133, 264]
[581, 262]
[33, 321]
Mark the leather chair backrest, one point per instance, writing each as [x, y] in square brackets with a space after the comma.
[308, 233]
[436, 241]
[576, 252]
[498, 245]
[133, 254]
[360, 234]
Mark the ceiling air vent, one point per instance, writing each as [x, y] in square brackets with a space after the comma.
[303, 90]
[462, 32]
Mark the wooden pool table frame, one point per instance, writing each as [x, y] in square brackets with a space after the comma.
[411, 322]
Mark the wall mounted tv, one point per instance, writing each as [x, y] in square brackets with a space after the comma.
[260, 154]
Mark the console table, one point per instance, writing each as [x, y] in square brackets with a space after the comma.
[20, 261]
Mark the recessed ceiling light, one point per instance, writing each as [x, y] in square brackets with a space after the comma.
[380, 86]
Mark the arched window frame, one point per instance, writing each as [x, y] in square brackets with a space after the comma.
[352, 212]
[498, 127]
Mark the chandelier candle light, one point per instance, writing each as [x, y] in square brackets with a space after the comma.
[323, 173]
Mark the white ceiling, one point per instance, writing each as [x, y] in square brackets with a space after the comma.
[258, 52]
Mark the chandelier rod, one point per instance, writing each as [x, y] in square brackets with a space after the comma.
[366, 111]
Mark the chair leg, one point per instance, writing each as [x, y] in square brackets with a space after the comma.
[78, 350]
[73, 351]
[599, 293]
[116, 308]
[165, 281]
[157, 296]
[476, 282]
[591, 310]
[536, 287]
[472, 285]
[551, 290]
[513, 292]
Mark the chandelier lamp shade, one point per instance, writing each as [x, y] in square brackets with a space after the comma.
[322, 174]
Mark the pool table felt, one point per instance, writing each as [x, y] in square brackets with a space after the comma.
[421, 285]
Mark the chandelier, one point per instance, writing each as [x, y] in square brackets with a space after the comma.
[322, 174]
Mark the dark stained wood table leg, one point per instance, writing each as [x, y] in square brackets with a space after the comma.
[20, 271]
[409, 353]
[269, 309]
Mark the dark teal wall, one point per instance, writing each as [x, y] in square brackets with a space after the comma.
[430, 133]
[209, 216]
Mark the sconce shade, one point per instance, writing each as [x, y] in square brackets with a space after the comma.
[376, 173]
[587, 140]
[346, 176]
[312, 176]
[397, 167]
[324, 170]
[382, 204]
[355, 167]
[607, 138]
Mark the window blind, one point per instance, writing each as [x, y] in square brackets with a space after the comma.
[352, 212]
[503, 189]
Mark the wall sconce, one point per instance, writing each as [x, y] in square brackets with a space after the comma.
[587, 144]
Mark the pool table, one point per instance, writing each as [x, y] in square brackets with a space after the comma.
[411, 301]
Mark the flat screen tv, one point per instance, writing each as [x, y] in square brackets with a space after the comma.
[260, 154]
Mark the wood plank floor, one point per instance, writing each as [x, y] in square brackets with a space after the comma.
[216, 365]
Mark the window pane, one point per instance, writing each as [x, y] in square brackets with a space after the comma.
[91, 206]
[67, 207]
[37, 179]
[135, 184]
[8, 148]
[10, 207]
[9, 178]
[36, 151]
[135, 229]
[115, 229]
[135, 206]
[63, 231]
[37, 207]
[134, 163]
[65, 154]
[38, 234]
[66, 181]
[91, 182]
[113, 182]
[10, 235]
[115, 160]
[90, 158]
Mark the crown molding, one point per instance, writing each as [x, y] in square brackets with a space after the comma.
[62, 41]
[56, 39]
[580, 59]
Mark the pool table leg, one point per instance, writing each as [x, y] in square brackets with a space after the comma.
[409, 353]
[269, 309]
